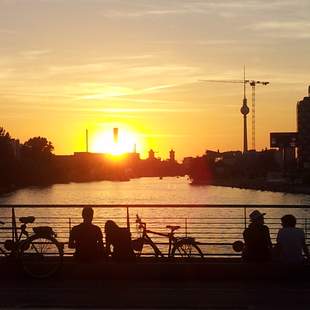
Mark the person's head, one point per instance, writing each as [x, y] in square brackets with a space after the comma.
[88, 214]
[257, 217]
[110, 227]
[288, 220]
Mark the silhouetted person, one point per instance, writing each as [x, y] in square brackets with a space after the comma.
[86, 238]
[257, 239]
[120, 239]
[291, 241]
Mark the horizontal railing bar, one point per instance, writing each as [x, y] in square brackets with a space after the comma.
[166, 243]
[229, 206]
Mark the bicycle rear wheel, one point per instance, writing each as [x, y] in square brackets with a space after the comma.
[187, 249]
[41, 256]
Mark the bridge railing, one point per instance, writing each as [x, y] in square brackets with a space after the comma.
[214, 227]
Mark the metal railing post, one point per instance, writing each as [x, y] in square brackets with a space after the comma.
[185, 227]
[69, 225]
[14, 229]
[244, 215]
[128, 220]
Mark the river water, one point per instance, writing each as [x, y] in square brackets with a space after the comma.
[148, 191]
[210, 222]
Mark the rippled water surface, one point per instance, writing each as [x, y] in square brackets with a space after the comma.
[206, 223]
[148, 191]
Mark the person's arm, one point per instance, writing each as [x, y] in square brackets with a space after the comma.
[304, 247]
[100, 239]
[107, 244]
[71, 244]
[277, 248]
[245, 236]
[268, 237]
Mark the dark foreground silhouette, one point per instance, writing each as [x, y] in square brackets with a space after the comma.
[291, 242]
[86, 239]
[257, 239]
[118, 242]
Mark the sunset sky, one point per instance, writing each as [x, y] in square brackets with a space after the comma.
[68, 65]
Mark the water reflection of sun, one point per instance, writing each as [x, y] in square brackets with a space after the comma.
[103, 142]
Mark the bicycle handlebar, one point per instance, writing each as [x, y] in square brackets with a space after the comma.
[139, 221]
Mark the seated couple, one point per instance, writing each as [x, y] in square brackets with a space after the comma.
[87, 240]
[290, 247]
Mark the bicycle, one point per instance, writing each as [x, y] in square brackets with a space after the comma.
[39, 253]
[184, 247]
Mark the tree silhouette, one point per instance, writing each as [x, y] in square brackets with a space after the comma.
[6, 158]
[39, 145]
[4, 134]
[5, 145]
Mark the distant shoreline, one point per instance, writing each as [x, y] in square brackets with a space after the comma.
[7, 189]
[259, 185]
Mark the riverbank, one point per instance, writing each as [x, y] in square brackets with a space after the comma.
[7, 189]
[259, 185]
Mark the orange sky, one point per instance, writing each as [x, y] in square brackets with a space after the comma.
[68, 65]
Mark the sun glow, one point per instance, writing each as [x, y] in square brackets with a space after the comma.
[103, 142]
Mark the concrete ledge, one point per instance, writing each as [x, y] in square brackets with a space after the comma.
[167, 270]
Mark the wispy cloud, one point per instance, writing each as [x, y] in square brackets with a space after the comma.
[224, 8]
[8, 32]
[281, 25]
[34, 54]
[163, 135]
[283, 29]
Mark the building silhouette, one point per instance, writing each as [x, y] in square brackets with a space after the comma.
[151, 155]
[303, 128]
[172, 155]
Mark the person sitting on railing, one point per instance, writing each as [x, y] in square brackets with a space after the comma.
[120, 239]
[86, 238]
[291, 241]
[257, 239]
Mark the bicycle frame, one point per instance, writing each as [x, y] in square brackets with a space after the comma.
[148, 240]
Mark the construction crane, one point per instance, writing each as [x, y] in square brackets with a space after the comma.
[253, 84]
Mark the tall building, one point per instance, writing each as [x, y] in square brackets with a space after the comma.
[115, 135]
[303, 128]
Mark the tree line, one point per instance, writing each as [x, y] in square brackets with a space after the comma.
[28, 163]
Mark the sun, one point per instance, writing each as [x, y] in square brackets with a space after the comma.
[103, 142]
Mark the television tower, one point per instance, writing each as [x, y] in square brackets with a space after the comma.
[244, 111]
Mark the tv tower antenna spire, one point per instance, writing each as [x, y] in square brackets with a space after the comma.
[244, 111]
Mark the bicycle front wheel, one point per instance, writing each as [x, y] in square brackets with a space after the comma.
[41, 256]
[187, 249]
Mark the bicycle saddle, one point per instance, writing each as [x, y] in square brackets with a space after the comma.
[27, 219]
[173, 228]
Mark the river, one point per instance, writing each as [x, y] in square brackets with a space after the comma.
[221, 224]
[148, 191]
